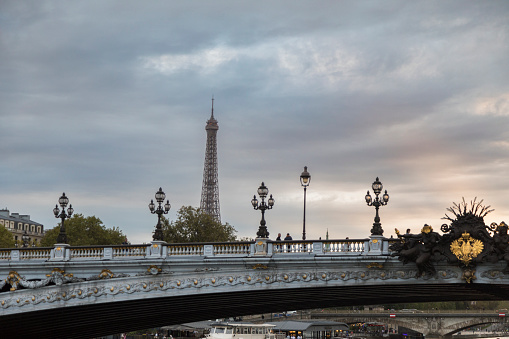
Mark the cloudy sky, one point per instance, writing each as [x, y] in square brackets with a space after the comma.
[107, 101]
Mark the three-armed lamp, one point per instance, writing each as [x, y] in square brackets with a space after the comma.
[377, 189]
[160, 196]
[263, 191]
[63, 201]
[26, 239]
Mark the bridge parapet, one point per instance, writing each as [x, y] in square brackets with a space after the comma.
[62, 252]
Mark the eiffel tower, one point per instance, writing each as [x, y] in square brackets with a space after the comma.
[210, 187]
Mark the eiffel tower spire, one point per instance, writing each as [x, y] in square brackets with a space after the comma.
[210, 186]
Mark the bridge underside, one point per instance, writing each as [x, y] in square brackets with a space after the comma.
[116, 317]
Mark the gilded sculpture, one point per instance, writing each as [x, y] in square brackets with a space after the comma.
[466, 242]
[466, 248]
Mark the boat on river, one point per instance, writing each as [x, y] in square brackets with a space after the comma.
[229, 330]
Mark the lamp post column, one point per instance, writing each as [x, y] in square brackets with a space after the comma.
[63, 201]
[160, 196]
[305, 179]
[262, 235]
[377, 189]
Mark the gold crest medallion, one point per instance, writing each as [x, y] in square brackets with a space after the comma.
[466, 248]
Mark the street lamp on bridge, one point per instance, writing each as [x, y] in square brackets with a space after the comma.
[160, 196]
[25, 239]
[305, 179]
[377, 189]
[263, 191]
[63, 201]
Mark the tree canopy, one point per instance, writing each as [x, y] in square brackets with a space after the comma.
[194, 225]
[82, 231]
[6, 238]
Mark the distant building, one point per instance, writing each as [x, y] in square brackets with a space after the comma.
[19, 224]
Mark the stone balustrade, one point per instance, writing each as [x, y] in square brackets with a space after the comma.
[63, 252]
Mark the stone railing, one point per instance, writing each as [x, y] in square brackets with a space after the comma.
[345, 246]
[232, 248]
[157, 249]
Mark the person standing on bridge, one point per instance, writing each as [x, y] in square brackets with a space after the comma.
[279, 248]
[288, 247]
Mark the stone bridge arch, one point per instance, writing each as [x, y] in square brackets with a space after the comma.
[429, 324]
[123, 288]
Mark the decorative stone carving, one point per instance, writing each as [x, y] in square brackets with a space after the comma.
[467, 242]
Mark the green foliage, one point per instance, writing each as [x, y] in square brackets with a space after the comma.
[193, 225]
[6, 238]
[82, 231]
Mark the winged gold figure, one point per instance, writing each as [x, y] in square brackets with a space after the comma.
[466, 248]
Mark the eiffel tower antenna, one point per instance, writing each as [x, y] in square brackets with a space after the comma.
[210, 186]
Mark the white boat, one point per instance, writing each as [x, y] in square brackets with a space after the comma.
[226, 330]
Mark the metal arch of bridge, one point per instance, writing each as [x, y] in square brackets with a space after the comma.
[77, 292]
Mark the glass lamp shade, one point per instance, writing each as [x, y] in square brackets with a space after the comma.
[167, 206]
[377, 186]
[25, 237]
[385, 196]
[263, 191]
[56, 211]
[305, 177]
[70, 210]
[63, 200]
[271, 201]
[368, 198]
[151, 206]
[254, 202]
[160, 196]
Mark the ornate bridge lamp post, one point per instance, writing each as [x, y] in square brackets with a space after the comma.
[305, 179]
[25, 239]
[263, 191]
[63, 201]
[377, 189]
[160, 196]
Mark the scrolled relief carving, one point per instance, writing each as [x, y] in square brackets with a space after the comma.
[107, 274]
[154, 270]
[290, 277]
[111, 287]
[494, 274]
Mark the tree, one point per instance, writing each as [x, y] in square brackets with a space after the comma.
[6, 238]
[194, 225]
[82, 231]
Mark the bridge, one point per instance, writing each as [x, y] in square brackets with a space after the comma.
[429, 323]
[82, 292]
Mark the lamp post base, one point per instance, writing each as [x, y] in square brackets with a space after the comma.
[262, 232]
[377, 229]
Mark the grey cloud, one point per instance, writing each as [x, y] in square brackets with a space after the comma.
[352, 90]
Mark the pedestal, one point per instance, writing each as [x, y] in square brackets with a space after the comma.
[375, 245]
[261, 246]
[60, 252]
[156, 249]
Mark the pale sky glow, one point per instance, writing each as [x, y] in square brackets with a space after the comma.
[108, 100]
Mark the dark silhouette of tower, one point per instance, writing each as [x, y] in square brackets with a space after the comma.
[210, 187]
